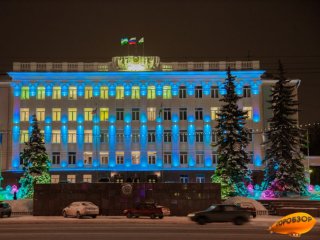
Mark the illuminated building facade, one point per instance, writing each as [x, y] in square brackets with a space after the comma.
[134, 118]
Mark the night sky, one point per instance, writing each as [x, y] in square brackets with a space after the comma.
[175, 30]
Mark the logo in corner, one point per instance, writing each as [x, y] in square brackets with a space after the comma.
[293, 224]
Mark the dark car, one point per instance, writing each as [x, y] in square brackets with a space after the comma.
[5, 209]
[151, 210]
[222, 213]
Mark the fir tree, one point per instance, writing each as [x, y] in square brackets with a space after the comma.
[35, 162]
[232, 168]
[284, 170]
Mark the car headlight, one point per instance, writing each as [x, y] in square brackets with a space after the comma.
[191, 215]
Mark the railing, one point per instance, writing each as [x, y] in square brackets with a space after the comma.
[107, 66]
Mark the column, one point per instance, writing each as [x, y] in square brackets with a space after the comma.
[143, 140]
[207, 142]
[159, 141]
[16, 127]
[175, 141]
[112, 141]
[48, 135]
[191, 142]
[127, 139]
[64, 145]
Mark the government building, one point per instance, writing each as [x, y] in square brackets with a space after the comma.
[132, 119]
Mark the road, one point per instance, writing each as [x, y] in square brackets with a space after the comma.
[131, 229]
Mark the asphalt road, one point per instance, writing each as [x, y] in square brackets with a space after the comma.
[148, 229]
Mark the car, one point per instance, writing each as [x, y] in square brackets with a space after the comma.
[221, 213]
[5, 209]
[151, 210]
[249, 206]
[80, 209]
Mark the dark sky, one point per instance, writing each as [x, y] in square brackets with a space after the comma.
[175, 30]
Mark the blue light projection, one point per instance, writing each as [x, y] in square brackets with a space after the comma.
[112, 145]
[190, 89]
[207, 145]
[127, 117]
[256, 115]
[222, 89]
[159, 143]
[64, 144]
[16, 141]
[96, 145]
[143, 90]
[206, 89]
[96, 90]
[143, 145]
[257, 161]
[191, 144]
[127, 90]
[47, 134]
[80, 90]
[80, 145]
[175, 145]
[16, 90]
[64, 118]
[48, 90]
[48, 120]
[143, 117]
[127, 145]
[159, 90]
[64, 90]
[255, 87]
[175, 90]
[33, 90]
[80, 118]
[239, 88]
[112, 90]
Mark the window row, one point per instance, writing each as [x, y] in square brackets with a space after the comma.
[72, 92]
[135, 136]
[103, 113]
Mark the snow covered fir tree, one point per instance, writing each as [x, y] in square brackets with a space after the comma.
[284, 170]
[35, 162]
[232, 170]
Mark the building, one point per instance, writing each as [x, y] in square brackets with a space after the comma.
[132, 119]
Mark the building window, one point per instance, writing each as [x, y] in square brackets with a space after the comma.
[56, 114]
[135, 158]
[135, 114]
[151, 92]
[104, 114]
[71, 178]
[88, 114]
[104, 92]
[119, 92]
[56, 158]
[246, 91]
[135, 136]
[104, 158]
[71, 158]
[200, 178]
[40, 113]
[167, 114]
[214, 136]
[183, 136]
[182, 113]
[167, 92]
[72, 93]
[183, 158]
[151, 112]
[251, 157]
[182, 92]
[24, 114]
[41, 93]
[56, 136]
[72, 136]
[56, 93]
[119, 136]
[248, 112]
[198, 92]
[88, 136]
[120, 158]
[199, 113]
[199, 159]
[55, 178]
[214, 92]
[87, 178]
[88, 92]
[87, 156]
[104, 136]
[72, 114]
[151, 136]
[214, 157]
[135, 92]
[119, 114]
[167, 136]
[199, 136]
[214, 113]
[152, 157]
[184, 179]
[24, 137]
[25, 93]
[167, 158]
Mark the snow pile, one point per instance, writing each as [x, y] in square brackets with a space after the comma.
[243, 201]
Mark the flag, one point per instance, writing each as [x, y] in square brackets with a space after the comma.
[132, 41]
[124, 41]
[94, 111]
[141, 41]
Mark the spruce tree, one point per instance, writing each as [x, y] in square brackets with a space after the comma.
[232, 168]
[35, 162]
[284, 170]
